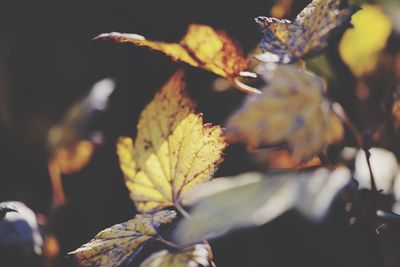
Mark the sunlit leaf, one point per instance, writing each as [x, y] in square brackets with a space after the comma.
[113, 246]
[196, 256]
[292, 108]
[173, 150]
[360, 45]
[253, 199]
[285, 41]
[202, 46]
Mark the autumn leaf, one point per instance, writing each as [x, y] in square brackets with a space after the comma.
[70, 141]
[361, 45]
[173, 150]
[253, 199]
[195, 256]
[202, 46]
[113, 246]
[292, 108]
[285, 41]
[282, 159]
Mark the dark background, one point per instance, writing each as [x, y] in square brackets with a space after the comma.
[47, 61]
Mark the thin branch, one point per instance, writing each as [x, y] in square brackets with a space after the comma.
[372, 178]
[338, 109]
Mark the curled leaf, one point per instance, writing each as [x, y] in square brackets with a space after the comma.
[173, 150]
[292, 108]
[113, 246]
[195, 256]
[202, 46]
[285, 41]
[252, 199]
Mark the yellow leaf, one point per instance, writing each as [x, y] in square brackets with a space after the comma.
[202, 46]
[293, 109]
[73, 158]
[112, 246]
[173, 150]
[195, 256]
[361, 45]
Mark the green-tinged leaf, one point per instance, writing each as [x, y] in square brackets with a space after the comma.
[195, 256]
[262, 199]
[112, 246]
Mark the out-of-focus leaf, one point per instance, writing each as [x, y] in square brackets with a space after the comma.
[173, 150]
[259, 201]
[360, 45]
[396, 192]
[396, 99]
[74, 126]
[70, 142]
[292, 108]
[113, 246]
[321, 66]
[281, 8]
[73, 158]
[281, 159]
[195, 256]
[392, 9]
[5, 207]
[25, 235]
[202, 46]
[384, 167]
[285, 41]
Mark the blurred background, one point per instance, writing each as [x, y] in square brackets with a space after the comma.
[48, 62]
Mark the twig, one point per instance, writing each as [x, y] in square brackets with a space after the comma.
[372, 178]
[338, 109]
